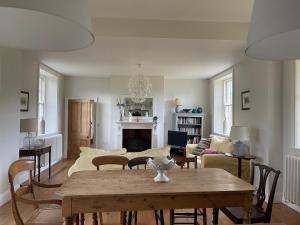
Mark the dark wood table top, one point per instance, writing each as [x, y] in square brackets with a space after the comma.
[246, 156]
[34, 151]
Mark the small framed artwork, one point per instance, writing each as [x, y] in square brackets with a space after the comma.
[24, 101]
[245, 100]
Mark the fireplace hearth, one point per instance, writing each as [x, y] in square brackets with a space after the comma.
[136, 140]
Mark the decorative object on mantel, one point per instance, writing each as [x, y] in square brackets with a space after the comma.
[177, 104]
[56, 25]
[161, 165]
[120, 106]
[139, 86]
[24, 101]
[28, 126]
[245, 97]
[274, 30]
[240, 134]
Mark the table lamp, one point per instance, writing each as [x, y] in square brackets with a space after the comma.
[28, 126]
[240, 134]
[177, 104]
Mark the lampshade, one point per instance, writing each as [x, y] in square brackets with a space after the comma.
[240, 133]
[28, 125]
[178, 101]
[52, 25]
[275, 30]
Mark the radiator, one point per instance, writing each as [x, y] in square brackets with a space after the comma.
[292, 179]
[55, 141]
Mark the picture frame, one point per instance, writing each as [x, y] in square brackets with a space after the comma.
[24, 101]
[245, 97]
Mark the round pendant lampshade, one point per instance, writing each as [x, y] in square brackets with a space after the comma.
[51, 25]
[275, 30]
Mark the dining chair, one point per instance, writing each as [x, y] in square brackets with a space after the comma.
[258, 213]
[135, 163]
[183, 161]
[26, 194]
[109, 160]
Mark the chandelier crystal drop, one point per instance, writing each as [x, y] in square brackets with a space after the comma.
[139, 86]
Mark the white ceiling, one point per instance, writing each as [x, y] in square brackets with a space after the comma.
[129, 32]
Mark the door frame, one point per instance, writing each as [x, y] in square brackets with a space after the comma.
[96, 100]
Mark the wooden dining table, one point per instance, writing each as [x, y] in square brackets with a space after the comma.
[125, 190]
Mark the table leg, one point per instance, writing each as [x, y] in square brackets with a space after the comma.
[68, 220]
[239, 167]
[247, 215]
[39, 168]
[50, 164]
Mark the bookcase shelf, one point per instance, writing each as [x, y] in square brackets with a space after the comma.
[192, 123]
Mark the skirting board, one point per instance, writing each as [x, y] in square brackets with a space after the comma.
[291, 205]
[5, 196]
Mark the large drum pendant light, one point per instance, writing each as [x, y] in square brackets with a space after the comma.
[275, 30]
[51, 25]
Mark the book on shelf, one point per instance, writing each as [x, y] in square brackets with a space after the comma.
[194, 140]
[189, 120]
[191, 130]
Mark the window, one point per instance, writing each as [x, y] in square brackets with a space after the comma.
[47, 102]
[222, 107]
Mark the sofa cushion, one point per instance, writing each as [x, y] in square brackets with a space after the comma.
[203, 144]
[221, 144]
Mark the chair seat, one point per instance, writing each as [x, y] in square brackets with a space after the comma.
[45, 216]
[238, 214]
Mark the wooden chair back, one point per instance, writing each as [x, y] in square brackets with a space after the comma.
[16, 195]
[110, 160]
[264, 172]
[138, 161]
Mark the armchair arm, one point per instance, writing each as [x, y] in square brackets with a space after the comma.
[45, 185]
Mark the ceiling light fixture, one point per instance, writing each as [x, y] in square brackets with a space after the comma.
[275, 30]
[139, 86]
[51, 25]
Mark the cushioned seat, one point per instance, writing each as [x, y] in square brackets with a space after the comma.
[256, 214]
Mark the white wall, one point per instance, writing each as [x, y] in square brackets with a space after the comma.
[10, 76]
[193, 93]
[264, 80]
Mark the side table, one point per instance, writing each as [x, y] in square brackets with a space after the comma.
[240, 158]
[37, 152]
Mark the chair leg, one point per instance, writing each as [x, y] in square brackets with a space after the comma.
[135, 217]
[215, 216]
[161, 215]
[195, 216]
[95, 219]
[101, 218]
[123, 218]
[82, 219]
[204, 216]
[156, 217]
[171, 216]
[129, 220]
[76, 217]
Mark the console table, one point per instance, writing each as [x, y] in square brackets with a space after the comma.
[240, 158]
[37, 153]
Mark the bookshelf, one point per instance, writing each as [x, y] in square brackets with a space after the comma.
[192, 123]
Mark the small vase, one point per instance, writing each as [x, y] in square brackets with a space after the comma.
[161, 177]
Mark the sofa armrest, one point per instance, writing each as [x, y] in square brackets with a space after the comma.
[227, 163]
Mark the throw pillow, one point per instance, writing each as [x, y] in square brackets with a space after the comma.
[203, 144]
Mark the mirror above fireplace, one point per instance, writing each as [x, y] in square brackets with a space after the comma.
[144, 109]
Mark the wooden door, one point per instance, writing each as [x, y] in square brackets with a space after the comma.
[80, 126]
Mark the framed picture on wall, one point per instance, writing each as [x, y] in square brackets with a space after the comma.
[245, 95]
[24, 101]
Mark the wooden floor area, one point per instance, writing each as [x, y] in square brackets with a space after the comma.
[281, 213]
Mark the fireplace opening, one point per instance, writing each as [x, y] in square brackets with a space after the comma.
[136, 140]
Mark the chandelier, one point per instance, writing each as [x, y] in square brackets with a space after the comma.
[139, 86]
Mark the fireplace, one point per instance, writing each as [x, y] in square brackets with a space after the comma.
[136, 140]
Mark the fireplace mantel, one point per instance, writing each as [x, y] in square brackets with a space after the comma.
[120, 125]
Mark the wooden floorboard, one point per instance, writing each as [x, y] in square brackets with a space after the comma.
[281, 213]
